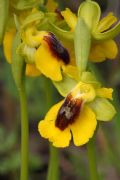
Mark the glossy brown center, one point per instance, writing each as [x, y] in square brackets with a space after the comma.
[57, 48]
[68, 112]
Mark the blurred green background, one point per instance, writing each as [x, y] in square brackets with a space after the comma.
[73, 160]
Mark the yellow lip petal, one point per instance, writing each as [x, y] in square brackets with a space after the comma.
[97, 53]
[110, 49]
[107, 49]
[84, 126]
[48, 130]
[70, 18]
[48, 64]
[56, 136]
[7, 44]
[32, 71]
[52, 113]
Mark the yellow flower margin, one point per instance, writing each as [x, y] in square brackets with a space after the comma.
[95, 106]
[99, 51]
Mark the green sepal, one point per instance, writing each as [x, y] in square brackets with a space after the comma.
[23, 4]
[65, 86]
[61, 33]
[103, 109]
[88, 77]
[31, 18]
[18, 63]
[90, 12]
[82, 41]
[4, 8]
[110, 34]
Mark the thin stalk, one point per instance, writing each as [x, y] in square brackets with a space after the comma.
[53, 169]
[24, 135]
[92, 160]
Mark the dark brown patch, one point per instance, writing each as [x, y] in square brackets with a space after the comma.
[58, 12]
[57, 48]
[68, 112]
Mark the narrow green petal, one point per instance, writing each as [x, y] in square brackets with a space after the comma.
[103, 109]
[110, 34]
[68, 35]
[106, 22]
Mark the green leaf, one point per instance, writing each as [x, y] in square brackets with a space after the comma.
[18, 63]
[82, 42]
[90, 12]
[4, 7]
[65, 86]
[103, 109]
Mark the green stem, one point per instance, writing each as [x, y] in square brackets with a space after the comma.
[24, 135]
[53, 169]
[92, 160]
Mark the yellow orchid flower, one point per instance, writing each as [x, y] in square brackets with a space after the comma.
[100, 51]
[49, 57]
[45, 52]
[42, 51]
[76, 116]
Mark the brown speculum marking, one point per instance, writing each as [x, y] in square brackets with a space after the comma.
[68, 112]
[57, 48]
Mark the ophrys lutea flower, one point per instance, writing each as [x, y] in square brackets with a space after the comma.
[42, 51]
[76, 116]
[48, 54]
[100, 50]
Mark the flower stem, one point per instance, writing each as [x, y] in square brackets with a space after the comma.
[92, 160]
[24, 134]
[53, 169]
